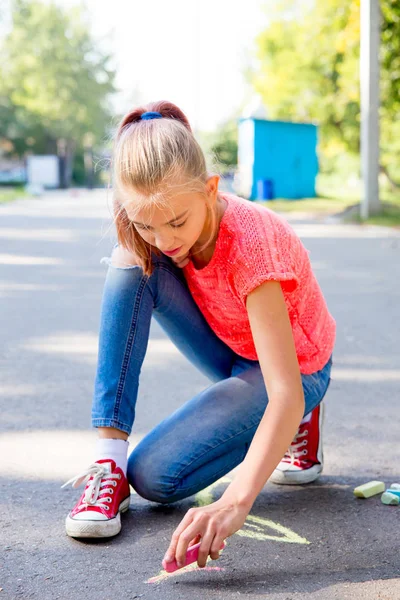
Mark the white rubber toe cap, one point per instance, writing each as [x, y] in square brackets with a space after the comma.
[89, 515]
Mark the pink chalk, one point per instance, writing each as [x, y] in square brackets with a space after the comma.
[192, 554]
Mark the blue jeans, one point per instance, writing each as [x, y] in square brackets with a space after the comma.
[210, 434]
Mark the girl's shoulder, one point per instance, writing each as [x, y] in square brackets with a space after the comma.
[259, 245]
[248, 221]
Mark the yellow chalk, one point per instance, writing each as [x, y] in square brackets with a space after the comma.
[369, 489]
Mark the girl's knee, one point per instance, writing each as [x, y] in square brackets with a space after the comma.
[148, 480]
[121, 257]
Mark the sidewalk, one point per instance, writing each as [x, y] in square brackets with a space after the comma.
[316, 541]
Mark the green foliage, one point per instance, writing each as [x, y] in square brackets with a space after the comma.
[54, 81]
[390, 85]
[79, 175]
[225, 145]
[390, 54]
[309, 71]
[10, 193]
[222, 145]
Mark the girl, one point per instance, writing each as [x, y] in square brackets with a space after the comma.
[232, 286]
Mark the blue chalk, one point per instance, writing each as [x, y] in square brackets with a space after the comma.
[394, 491]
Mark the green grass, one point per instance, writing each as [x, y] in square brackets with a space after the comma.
[309, 205]
[389, 217]
[335, 198]
[10, 194]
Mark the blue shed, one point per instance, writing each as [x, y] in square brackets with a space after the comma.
[277, 159]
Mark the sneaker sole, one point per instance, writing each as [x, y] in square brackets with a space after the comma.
[299, 477]
[96, 529]
[296, 477]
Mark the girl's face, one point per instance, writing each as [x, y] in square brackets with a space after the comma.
[180, 227]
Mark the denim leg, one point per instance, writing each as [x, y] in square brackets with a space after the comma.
[129, 300]
[179, 316]
[209, 435]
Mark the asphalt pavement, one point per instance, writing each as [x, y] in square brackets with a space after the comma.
[316, 541]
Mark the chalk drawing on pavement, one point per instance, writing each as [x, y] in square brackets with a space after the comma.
[255, 528]
[164, 575]
[205, 497]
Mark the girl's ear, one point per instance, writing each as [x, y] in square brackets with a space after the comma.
[212, 188]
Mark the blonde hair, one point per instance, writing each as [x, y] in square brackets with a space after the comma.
[151, 157]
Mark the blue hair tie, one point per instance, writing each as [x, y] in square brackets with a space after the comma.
[151, 115]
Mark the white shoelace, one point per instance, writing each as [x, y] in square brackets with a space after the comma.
[100, 483]
[294, 452]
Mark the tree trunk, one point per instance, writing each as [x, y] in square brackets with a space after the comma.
[69, 162]
[393, 184]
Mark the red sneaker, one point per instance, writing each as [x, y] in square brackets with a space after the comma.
[304, 460]
[106, 495]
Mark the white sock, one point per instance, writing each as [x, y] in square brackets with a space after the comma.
[115, 449]
[306, 419]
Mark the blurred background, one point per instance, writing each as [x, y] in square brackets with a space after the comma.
[272, 90]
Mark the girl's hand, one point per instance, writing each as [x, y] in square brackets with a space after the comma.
[182, 261]
[210, 525]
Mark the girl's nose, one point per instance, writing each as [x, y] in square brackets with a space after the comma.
[165, 242]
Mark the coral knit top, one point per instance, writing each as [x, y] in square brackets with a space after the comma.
[255, 245]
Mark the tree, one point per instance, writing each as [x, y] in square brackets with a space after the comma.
[225, 144]
[222, 145]
[390, 86]
[309, 71]
[55, 82]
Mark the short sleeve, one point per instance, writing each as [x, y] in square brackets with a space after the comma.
[265, 253]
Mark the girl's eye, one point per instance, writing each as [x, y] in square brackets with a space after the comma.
[149, 230]
[180, 224]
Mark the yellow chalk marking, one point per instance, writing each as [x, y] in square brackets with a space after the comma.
[163, 575]
[256, 528]
[205, 497]
[259, 524]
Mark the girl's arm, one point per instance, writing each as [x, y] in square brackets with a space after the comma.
[272, 333]
[273, 339]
